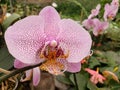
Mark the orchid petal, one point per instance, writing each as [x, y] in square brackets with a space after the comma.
[74, 67]
[19, 64]
[75, 39]
[28, 73]
[28, 76]
[94, 79]
[51, 18]
[107, 7]
[25, 38]
[36, 76]
[94, 12]
[92, 72]
[99, 26]
[88, 23]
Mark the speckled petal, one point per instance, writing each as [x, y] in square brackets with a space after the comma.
[75, 39]
[74, 67]
[25, 38]
[51, 18]
[36, 76]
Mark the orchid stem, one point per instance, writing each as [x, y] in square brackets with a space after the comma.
[80, 5]
[13, 73]
[76, 85]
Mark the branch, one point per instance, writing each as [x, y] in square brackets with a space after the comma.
[13, 73]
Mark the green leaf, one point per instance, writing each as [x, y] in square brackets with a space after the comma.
[93, 62]
[64, 79]
[91, 86]
[113, 33]
[104, 88]
[114, 85]
[6, 60]
[81, 80]
[10, 20]
[111, 57]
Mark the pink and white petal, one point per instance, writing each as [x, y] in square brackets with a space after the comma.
[88, 23]
[115, 2]
[94, 79]
[98, 7]
[25, 38]
[96, 22]
[95, 31]
[51, 18]
[100, 79]
[36, 76]
[28, 76]
[95, 12]
[74, 38]
[74, 67]
[91, 72]
[105, 25]
[19, 64]
[29, 73]
[107, 11]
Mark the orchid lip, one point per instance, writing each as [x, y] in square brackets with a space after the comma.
[55, 57]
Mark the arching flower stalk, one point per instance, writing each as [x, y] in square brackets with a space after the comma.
[60, 43]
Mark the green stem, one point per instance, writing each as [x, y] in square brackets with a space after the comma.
[76, 85]
[11, 6]
[13, 73]
[79, 4]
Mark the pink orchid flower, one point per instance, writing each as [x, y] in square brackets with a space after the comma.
[61, 43]
[94, 12]
[99, 27]
[111, 10]
[88, 23]
[96, 77]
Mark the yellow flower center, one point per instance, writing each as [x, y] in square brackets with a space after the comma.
[56, 62]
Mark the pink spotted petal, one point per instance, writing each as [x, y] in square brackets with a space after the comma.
[19, 64]
[51, 18]
[25, 38]
[75, 39]
[74, 67]
[36, 76]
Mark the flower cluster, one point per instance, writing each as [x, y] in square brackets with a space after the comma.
[97, 25]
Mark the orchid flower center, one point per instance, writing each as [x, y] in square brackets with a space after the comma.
[110, 17]
[55, 57]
